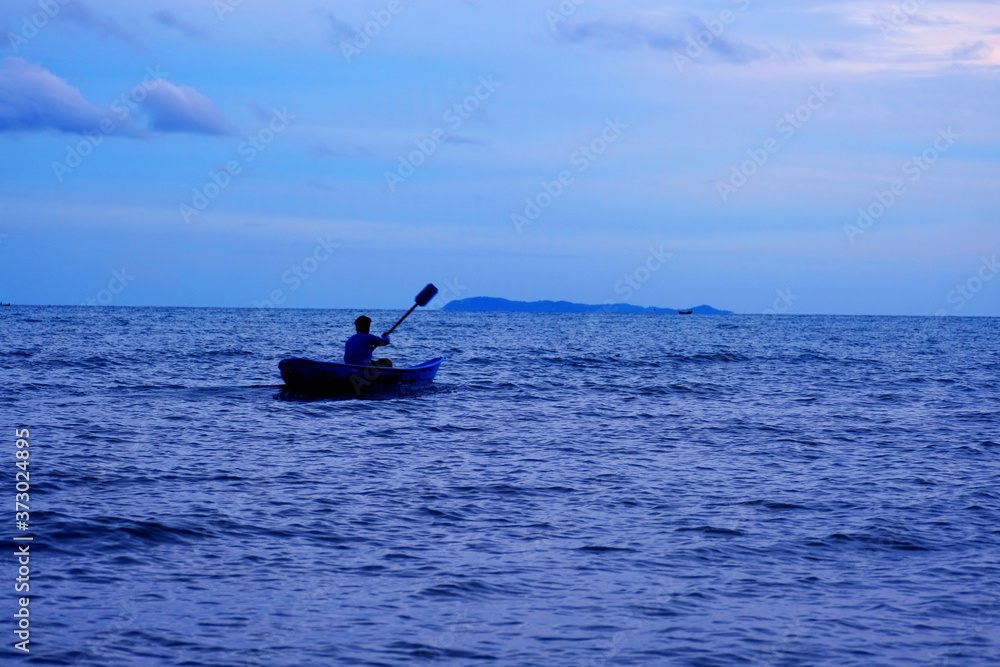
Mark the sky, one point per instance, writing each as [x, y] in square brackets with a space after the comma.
[780, 157]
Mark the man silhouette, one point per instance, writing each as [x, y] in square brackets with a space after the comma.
[359, 347]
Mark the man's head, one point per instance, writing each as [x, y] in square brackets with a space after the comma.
[363, 324]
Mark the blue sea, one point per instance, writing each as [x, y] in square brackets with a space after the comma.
[574, 489]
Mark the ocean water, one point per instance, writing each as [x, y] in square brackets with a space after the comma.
[573, 490]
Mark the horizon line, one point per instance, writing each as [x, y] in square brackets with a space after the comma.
[459, 312]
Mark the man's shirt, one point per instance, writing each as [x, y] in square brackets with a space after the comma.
[358, 350]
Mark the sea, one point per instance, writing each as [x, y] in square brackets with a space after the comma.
[574, 489]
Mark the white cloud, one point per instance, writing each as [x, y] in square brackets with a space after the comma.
[33, 99]
[183, 109]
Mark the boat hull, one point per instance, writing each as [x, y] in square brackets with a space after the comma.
[325, 377]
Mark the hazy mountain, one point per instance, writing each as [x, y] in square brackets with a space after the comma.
[492, 304]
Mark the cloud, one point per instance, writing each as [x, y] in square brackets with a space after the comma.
[183, 109]
[339, 29]
[830, 53]
[33, 99]
[633, 35]
[167, 18]
[619, 35]
[322, 149]
[106, 28]
[464, 141]
[972, 51]
[262, 113]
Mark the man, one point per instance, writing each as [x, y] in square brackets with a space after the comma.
[359, 348]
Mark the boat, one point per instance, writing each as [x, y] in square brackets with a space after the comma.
[324, 377]
[685, 312]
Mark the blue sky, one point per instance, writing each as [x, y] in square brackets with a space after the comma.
[661, 153]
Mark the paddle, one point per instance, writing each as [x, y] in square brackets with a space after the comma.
[425, 296]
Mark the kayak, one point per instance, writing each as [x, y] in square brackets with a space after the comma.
[330, 378]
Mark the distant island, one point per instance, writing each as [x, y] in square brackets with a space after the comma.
[488, 304]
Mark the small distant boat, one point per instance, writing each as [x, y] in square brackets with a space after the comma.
[322, 377]
[4, 304]
[685, 312]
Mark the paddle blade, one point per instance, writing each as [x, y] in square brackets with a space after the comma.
[426, 294]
